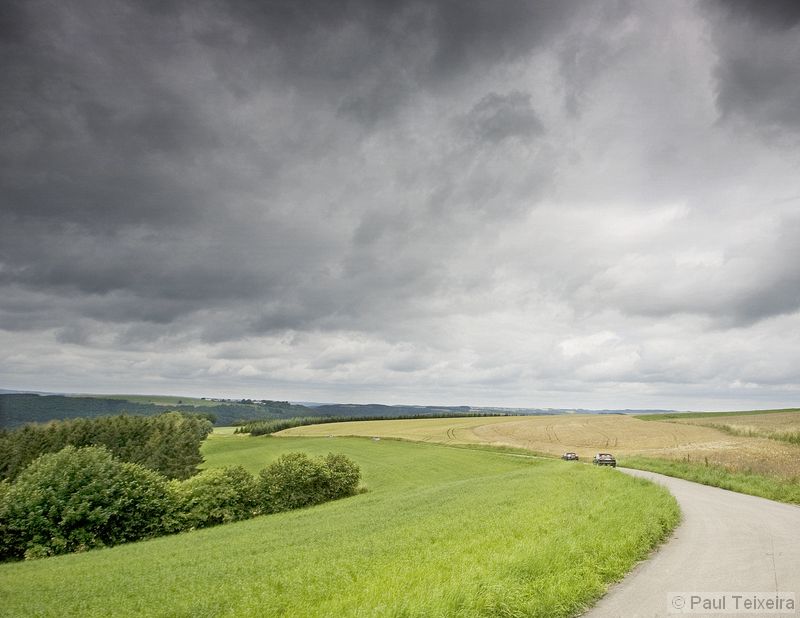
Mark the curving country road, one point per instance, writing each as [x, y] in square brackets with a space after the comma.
[727, 542]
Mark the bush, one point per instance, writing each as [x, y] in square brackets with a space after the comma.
[343, 475]
[216, 496]
[295, 480]
[81, 498]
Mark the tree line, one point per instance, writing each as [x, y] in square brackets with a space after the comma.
[261, 428]
[168, 443]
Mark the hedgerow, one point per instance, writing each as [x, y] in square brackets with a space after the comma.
[266, 427]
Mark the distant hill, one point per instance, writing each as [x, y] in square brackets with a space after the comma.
[19, 409]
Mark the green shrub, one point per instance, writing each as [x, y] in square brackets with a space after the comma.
[216, 496]
[343, 476]
[295, 480]
[81, 498]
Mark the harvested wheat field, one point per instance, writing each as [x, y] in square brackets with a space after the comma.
[587, 434]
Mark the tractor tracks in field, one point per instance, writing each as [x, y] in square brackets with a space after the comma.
[552, 436]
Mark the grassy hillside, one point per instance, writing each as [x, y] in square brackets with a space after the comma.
[159, 400]
[441, 532]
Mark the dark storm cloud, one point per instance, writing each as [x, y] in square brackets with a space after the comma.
[366, 58]
[774, 14]
[484, 32]
[460, 34]
[758, 75]
[88, 129]
[125, 175]
[397, 193]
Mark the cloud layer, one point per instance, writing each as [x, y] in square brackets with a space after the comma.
[556, 203]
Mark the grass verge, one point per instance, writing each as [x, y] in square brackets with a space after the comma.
[774, 488]
[441, 532]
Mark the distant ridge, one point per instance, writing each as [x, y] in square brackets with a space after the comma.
[19, 407]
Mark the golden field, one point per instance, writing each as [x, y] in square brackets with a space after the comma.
[621, 435]
[768, 423]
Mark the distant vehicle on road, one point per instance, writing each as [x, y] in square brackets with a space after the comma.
[570, 456]
[604, 459]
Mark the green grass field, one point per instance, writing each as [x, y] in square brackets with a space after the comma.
[670, 416]
[441, 532]
[159, 400]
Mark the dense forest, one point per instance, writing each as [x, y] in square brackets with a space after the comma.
[168, 443]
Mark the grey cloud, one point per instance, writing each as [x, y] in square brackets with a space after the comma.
[762, 86]
[758, 74]
[752, 282]
[497, 117]
[589, 51]
[367, 59]
[168, 127]
[484, 32]
[772, 14]
[406, 199]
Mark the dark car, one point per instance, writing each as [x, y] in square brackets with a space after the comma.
[604, 459]
[570, 457]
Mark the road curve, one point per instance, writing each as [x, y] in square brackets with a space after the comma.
[727, 542]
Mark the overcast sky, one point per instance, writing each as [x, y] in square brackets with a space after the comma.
[544, 204]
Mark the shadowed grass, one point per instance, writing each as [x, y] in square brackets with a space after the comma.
[441, 532]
